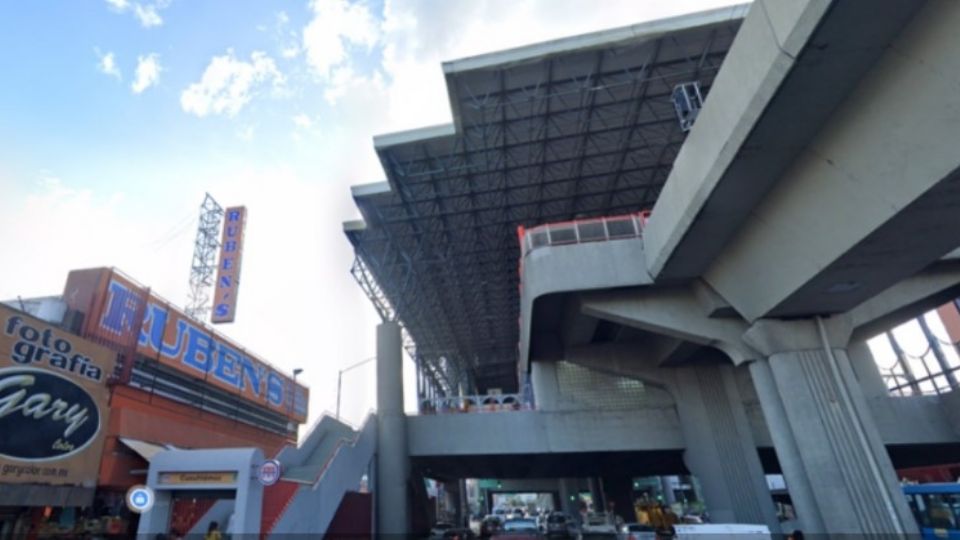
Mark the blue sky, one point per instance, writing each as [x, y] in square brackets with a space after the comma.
[271, 104]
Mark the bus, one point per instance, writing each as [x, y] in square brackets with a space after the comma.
[936, 508]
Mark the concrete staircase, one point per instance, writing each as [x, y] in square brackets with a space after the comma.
[316, 477]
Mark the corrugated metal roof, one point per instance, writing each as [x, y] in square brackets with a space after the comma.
[574, 128]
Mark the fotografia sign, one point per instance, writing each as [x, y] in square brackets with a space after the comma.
[53, 403]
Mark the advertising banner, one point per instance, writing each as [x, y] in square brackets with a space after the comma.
[228, 271]
[169, 336]
[53, 403]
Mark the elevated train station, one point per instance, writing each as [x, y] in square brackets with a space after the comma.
[722, 268]
[659, 250]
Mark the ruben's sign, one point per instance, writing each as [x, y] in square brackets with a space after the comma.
[53, 403]
[228, 271]
[126, 314]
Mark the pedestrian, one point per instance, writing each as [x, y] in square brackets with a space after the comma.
[213, 532]
[797, 534]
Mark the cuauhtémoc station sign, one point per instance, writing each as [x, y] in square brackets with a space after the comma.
[53, 403]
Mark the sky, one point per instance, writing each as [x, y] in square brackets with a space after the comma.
[118, 115]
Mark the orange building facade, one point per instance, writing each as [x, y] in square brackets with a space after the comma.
[176, 383]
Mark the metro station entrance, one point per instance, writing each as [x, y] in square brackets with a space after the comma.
[190, 510]
[194, 488]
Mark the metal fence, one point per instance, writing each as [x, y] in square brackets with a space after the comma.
[475, 404]
[581, 231]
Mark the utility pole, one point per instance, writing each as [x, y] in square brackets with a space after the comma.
[340, 378]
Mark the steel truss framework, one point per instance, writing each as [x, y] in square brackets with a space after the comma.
[204, 263]
[570, 133]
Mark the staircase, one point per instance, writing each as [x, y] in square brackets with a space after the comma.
[316, 478]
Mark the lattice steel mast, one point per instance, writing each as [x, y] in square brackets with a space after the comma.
[204, 257]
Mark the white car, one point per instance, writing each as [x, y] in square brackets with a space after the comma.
[637, 531]
[436, 532]
[722, 531]
[597, 527]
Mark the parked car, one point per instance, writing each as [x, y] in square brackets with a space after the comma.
[637, 531]
[559, 525]
[722, 531]
[489, 526]
[459, 534]
[598, 527]
[437, 531]
[518, 529]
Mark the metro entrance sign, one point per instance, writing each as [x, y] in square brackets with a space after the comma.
[268, 473]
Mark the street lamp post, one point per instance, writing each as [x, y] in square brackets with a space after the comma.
[293, 396]
[340, 378]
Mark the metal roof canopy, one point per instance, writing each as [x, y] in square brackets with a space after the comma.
[578, 127]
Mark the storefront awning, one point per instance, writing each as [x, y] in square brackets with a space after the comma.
[144, 449]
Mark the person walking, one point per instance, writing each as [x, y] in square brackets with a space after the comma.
[213, 532]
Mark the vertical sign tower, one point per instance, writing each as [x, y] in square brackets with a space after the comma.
[204, 257]
[228, 272]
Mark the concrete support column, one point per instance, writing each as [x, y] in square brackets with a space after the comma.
[393, 463]
[834, 462]
[570, 487]
[866, 370]
[543, 379]
[666, 485]
[721, 451]
[788, 454]
[619, 491]
[596, 493]
[463, 509]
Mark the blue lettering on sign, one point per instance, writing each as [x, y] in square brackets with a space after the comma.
[233, 215]
[203, 353]
[232, 230]
[154, 323]
[252, 374]
[230, 245]
[200, 347]
[227, 263]
[122, 307]
[274, 389]
[226, 370]
[173, 351]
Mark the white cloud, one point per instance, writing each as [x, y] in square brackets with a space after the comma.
[148, 14]
[417, 35]
[108, 64]
[302, 121]
[228, 84]
[335, 25]
[246, 134]
[147, 73]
